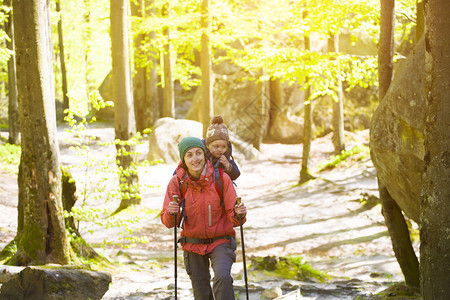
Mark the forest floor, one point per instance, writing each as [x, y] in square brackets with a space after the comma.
[334, 222]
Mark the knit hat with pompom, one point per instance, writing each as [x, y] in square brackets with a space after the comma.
[217, 130]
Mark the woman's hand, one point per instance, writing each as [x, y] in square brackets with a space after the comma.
[240, 210]
[173, 208]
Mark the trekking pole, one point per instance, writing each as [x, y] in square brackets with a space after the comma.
[175, 199]
[238, 201]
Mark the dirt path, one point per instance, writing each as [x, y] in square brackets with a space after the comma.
[324, 221]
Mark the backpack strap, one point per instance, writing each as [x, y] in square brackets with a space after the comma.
[183, 188]
[217, 179]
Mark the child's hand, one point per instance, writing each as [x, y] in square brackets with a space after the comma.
[224, 161]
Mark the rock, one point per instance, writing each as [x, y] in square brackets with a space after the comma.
[397, 134]
[168, 132]
[165, 136]
[56, 283]
[273, 293]
[8, 272]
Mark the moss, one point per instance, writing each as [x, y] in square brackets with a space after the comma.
[399, 291]
[288, 267]
[357, 153]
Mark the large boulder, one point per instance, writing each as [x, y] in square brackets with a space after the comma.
[165, 136]
[168, 132]
[55, 283]
[397, 134]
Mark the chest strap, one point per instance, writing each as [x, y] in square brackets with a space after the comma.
[185, 239]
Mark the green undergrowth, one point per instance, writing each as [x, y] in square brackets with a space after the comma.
[395, 291]
[357, 153]
[288, 267]
[10, 158]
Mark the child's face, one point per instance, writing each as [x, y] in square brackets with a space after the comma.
[218, 147]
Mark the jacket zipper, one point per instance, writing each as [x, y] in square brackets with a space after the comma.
[209, 211]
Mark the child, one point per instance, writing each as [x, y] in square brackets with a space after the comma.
[218, 147]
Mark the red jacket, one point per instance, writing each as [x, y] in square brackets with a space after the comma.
[201, 198]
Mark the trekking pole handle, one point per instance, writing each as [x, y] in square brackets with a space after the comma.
[175, 198]
[238, 200]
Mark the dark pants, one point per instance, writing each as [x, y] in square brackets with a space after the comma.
[197, 267]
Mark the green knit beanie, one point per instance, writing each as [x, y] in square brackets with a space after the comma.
[188, 143]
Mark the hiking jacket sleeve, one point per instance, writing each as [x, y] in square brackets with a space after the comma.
[172, 189]
[234, 173]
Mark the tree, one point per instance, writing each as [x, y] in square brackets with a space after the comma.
[205, 62]
[435, 204]
[41, 235]
[146, 106]
[169, 98]
[124, 122]
[338, 104]
[395, 221]
[13, 105]
[62, 59]
[305, 174]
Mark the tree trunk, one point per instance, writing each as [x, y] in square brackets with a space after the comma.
[87, 29]
[41, 234]
[123, 103]
[169, 98]
[13, 105]
[142, 60]
[401, 242]
[386, 46]
[435, 199]
[205, 64]
[276, 96]
[152, 82]
[392, 213]
[420, 25]
[338, 105]
[260, 114]
[63, 61]
[305, 174]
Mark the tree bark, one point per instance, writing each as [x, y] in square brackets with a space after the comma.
[41, 235]
[420, 25]
[205, 64]
[305, 174]
[169, 98]
[142, 84]
[124, 122]
[401, 242]
[386, 46]
[62, 59]
[392, 213]
[435, 198]
[13, 105]
[338, 105]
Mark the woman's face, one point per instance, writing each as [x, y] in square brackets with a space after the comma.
[218, 147]
[195, 161]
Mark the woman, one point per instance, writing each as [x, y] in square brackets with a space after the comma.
[208, 236]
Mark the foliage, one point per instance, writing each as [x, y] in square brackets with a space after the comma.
[97, 189]
[289, 267]
[336, 160]
[10, 157]
[252, 34]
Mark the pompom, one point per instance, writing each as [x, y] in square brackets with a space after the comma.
[217, 120]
